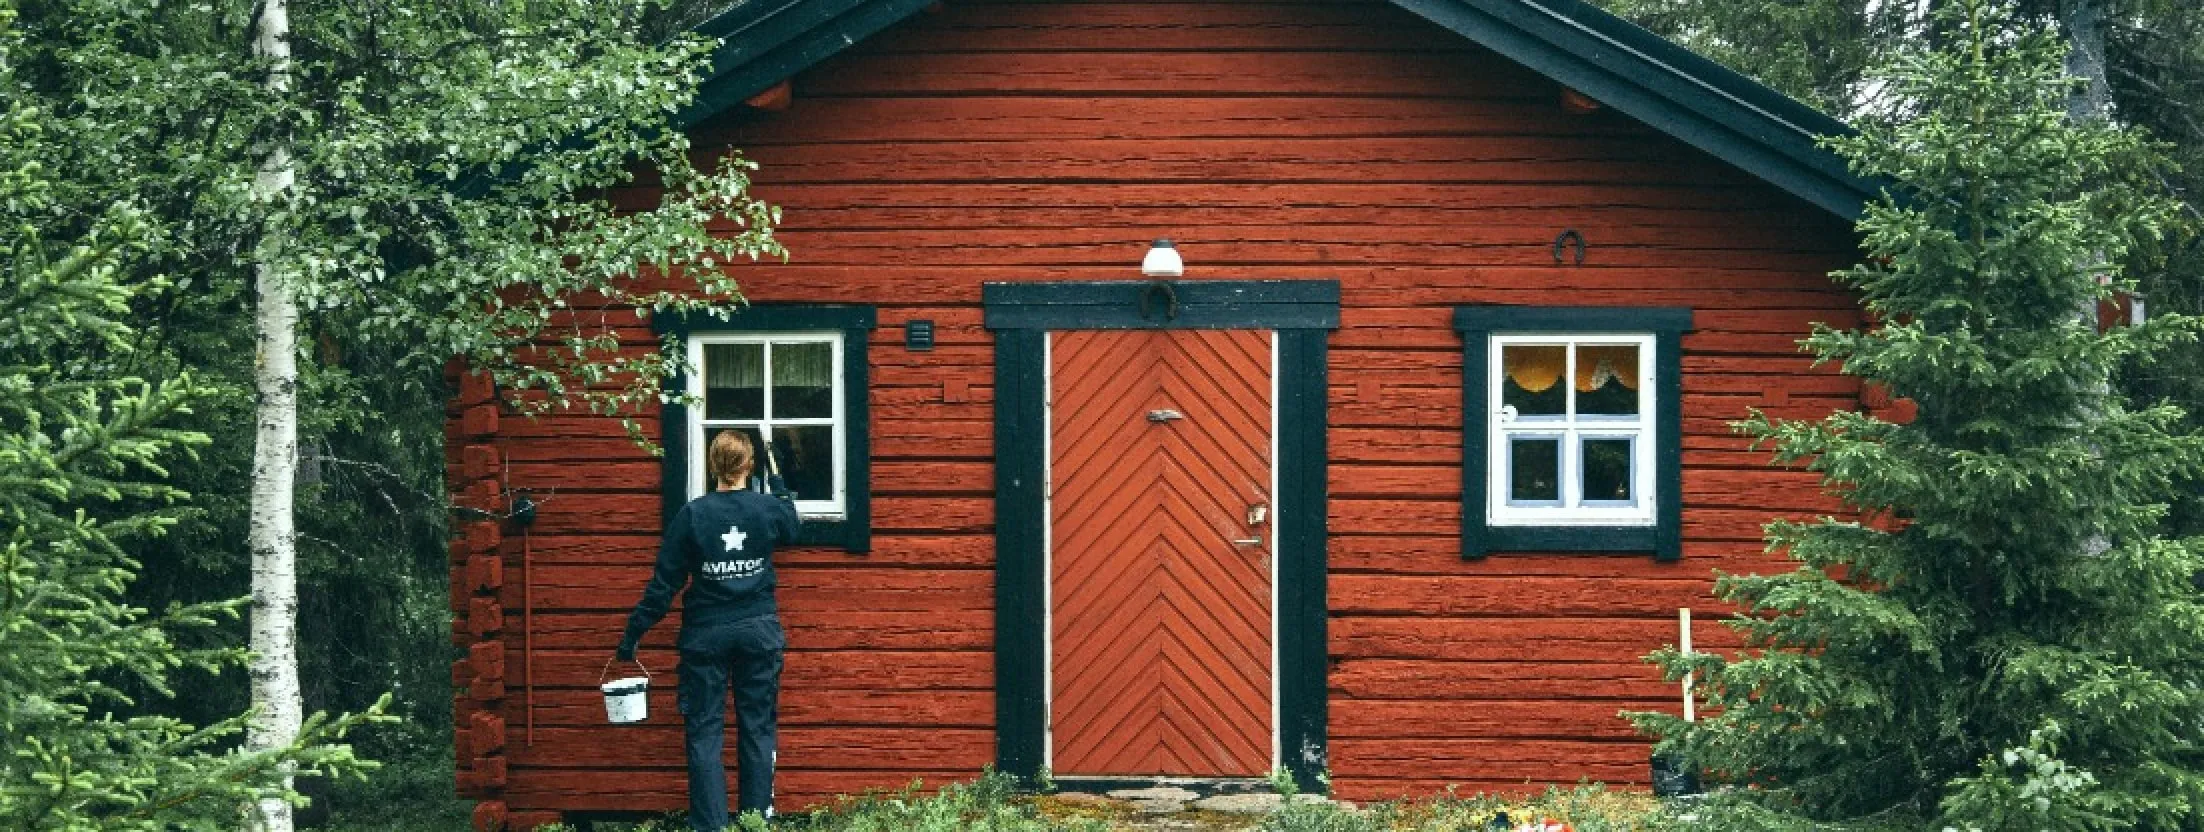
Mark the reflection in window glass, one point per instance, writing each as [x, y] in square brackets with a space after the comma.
[1534, 470]
[781, 388]
[1570, 429]
[1607, 380]
[734, 381]
[1606, 470]
[1532, 379]
[805, 456]
[803, 380]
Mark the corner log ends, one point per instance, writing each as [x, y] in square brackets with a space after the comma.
[478, 622]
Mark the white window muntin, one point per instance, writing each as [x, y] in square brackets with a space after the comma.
[1570, 429]
[810, 509]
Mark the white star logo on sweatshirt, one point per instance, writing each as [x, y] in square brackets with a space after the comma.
[733, 538]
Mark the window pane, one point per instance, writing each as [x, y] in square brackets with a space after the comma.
[803, 380]
[1606, 470]
[1534, 471]
[734, 381]
[1530, 379]
[1607, 380]
[805, 459]
[711, 477]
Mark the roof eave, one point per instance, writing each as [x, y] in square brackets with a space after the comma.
[766, 41]
[1761, 131]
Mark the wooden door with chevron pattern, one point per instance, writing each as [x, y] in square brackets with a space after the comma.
[1160, 552]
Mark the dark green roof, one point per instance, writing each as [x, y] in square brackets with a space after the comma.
[1763, 132]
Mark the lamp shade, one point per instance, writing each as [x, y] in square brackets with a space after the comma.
[1162, 261]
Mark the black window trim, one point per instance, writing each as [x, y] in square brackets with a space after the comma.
[853, 532]
[1664, 539]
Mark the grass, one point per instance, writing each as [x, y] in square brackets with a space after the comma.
[1586, 808]
[417, 799]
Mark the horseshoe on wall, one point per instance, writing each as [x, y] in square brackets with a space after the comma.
[1564, 240]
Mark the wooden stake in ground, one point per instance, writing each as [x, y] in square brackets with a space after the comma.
[277, 709]
[1683, 624]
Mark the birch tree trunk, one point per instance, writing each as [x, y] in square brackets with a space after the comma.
[2091, 103]
[278, 709]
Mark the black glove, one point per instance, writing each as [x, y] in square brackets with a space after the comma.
[775, 485]
[625, 652]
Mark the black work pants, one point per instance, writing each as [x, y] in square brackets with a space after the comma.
[744, 655]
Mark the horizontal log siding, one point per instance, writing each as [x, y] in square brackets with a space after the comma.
[1348, 141]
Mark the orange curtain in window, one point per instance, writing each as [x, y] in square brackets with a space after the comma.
[1596, 365]
[1534, 368]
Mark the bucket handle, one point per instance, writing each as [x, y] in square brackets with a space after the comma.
[608, 669]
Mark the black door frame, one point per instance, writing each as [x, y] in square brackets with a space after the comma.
[1303, 313]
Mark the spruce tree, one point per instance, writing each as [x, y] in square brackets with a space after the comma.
[2001, 639]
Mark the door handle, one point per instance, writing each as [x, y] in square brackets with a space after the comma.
[1256, 514]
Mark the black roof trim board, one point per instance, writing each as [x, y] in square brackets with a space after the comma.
[765, 41]
[1761, 131]
[1766, 133]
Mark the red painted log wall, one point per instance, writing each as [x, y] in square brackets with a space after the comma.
[1051, 141]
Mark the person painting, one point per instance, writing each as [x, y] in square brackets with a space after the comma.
[721, 546]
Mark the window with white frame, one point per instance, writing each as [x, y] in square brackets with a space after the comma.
[1571, 435]
[784, 389]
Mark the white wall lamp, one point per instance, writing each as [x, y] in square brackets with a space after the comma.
[1161, 266]
[1162, 261]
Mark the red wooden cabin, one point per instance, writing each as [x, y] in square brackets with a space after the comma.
[1065, 515]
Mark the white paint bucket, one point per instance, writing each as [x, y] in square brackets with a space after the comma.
[627, 701]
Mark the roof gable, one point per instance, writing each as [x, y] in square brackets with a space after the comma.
[1671, 89]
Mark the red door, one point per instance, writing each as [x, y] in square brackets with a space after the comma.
[1160, 552]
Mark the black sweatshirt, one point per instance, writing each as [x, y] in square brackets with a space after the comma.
[721, 545]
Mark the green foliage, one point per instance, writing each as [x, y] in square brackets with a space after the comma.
[991, 804]
[452, 199]
[452, 164]
[1323, 817]
[988, 804]
[1586, 808]
[83, 449]
[2006, 642]
[408, 793]
[1817, 51]
[1282, 782]
[1822, 51]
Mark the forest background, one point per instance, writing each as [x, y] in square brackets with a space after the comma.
[372, 513]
